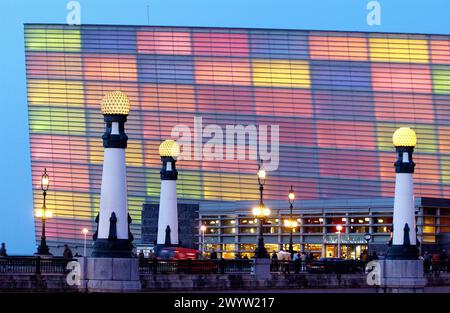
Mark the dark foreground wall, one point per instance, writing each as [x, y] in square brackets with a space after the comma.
[209, 282]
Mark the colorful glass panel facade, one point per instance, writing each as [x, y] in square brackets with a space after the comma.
[336, 96]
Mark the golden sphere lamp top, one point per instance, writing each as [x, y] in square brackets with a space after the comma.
[404, 137]
[169, 148]
[115, 103]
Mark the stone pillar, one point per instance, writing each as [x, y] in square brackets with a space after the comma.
[261, 269]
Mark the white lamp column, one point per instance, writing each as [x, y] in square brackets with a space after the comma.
[403, 245]
[113, 237]
[168, 206]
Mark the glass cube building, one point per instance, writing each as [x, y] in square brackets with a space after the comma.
[337, 98]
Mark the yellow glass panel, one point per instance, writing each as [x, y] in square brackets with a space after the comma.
[189, 185]
[399, 50]
[153, 182]
[445, 168]
[55, 92]
[134, 154]
[52, 39]
[441, 79]
[65, 204]
[96, 150]
[226, 186]
[426, 137]
[65, 121]
[135, 208]
[281, 73]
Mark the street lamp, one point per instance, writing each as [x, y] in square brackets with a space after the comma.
[85, 231]
[291, 223]
[339, 229]
[261, 212]
[44, 214]
[203, 230]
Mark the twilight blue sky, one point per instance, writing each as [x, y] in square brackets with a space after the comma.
[16, 209]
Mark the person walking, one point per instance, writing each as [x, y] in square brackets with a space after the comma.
[3, 250]
[426, 262]
[274, 262]
[297, 262]
[435, 263]
[67, 253]
[213, 255]
[443, 261]
[304, 258]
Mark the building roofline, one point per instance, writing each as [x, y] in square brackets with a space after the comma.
[233, 28]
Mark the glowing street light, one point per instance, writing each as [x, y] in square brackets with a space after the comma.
[203, 230]
[85, 231]
[44, 214]
[339, 229]
[261, 212]
[291, 223]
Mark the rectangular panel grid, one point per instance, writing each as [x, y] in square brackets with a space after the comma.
[336, 96]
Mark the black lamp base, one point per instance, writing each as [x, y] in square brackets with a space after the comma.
[402, 252]
[261, 251]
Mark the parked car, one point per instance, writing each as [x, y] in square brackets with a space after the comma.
[332, 265]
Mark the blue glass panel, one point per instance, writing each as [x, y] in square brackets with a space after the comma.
[279, 45]
[340, 75]
[165, 69]
[108, 41]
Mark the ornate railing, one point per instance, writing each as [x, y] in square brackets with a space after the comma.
[33, 265]
[222, 266]
[318, 266]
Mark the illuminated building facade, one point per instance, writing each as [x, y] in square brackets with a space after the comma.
[336, 96]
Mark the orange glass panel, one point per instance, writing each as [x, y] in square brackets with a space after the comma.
[444, 139]
[283, 102]
[338, 48]
[54, 65]
[168, 97]
[223, 71]
[427, 169]
[348, 164]
[178, 43]
[440, 51]
[401, 77]
[220, 44]
[63, 176]
[95, 91]
[110, 67]
[345, 135]
[404, 107]
[225, 99]
[55, 148]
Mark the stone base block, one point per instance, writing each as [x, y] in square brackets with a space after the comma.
[261, 268]
[110, 275]
[402, 276]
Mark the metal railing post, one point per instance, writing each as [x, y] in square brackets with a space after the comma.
[38, 266]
